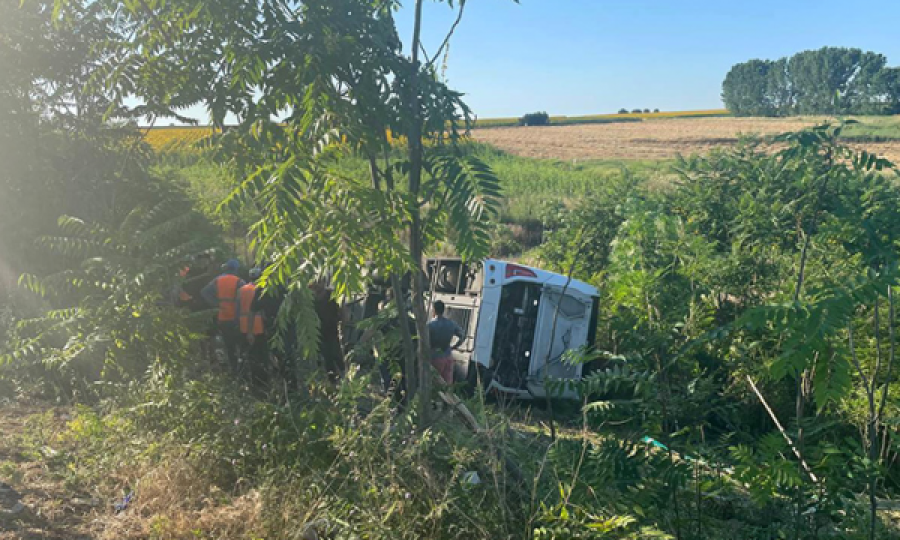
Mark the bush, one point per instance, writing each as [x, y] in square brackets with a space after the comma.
[535, 119]
[128, 268]
[647, 111]
[580, 239]
[623, 111]
[504, 242]
[655, 110]
[636, 111]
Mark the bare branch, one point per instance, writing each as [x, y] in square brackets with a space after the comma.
[459, 16]
[575, 259]
[800, 275]
[428, 59]
[784, 434]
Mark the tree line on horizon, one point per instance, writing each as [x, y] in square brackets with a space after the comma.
[830, 80]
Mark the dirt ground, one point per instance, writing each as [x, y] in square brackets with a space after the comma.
[647, 140]
[51, 510]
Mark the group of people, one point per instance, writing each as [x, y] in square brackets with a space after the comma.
[245, 321]
[243, 327]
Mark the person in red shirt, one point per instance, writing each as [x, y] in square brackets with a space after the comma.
[442, 332]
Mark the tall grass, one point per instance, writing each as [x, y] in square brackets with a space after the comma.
[530, 186]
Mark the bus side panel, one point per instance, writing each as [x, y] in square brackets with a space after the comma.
[487, 326]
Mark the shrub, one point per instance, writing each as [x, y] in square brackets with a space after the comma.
[655, 110]
[504, 242]
[647, 111]
[113, 319]
[636, 111]
[535, 119]
[623, 111]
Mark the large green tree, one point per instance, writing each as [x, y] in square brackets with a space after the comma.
[58, 155]
[308, 83]
[745, 89]
[830, 80]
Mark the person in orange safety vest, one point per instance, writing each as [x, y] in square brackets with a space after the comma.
[253, 328]
[223, 292]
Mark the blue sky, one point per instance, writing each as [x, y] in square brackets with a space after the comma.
[595, 56]
[573, 57]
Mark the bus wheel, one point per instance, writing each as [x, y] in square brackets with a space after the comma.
[478, 377]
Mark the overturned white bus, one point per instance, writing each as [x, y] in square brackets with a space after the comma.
[508, 313]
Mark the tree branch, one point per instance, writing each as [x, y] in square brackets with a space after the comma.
[891, 354]
[800, 274]
[877, 350]
[784, 434]
[459, 16]
[575, 259]
[428, 60]
[856, 363]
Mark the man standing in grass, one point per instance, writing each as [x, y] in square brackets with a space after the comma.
[442, 330]
[222, 292]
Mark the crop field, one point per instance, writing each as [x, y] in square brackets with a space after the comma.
[539, 166]
[164, 138]
[647, 137]
[605, 118]
[657, 139]
[170, 138]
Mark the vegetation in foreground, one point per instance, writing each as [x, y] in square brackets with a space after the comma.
[685, 319]
[757, 287]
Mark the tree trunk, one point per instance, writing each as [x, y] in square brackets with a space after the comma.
[409, 350]
[801, 387]
[424, 345]
[416, 151]
[873, 477]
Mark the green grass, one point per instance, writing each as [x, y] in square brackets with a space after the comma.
[873, 129]
[529, 185]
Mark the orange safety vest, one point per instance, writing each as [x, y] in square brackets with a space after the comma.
[248, 291]
[227, 295]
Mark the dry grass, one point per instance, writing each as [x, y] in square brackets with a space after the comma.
[647, 140]
[599, 118]
[174, 497]
[177, 500]
[52, 510]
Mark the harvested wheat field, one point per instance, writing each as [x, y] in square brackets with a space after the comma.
[647, 140]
